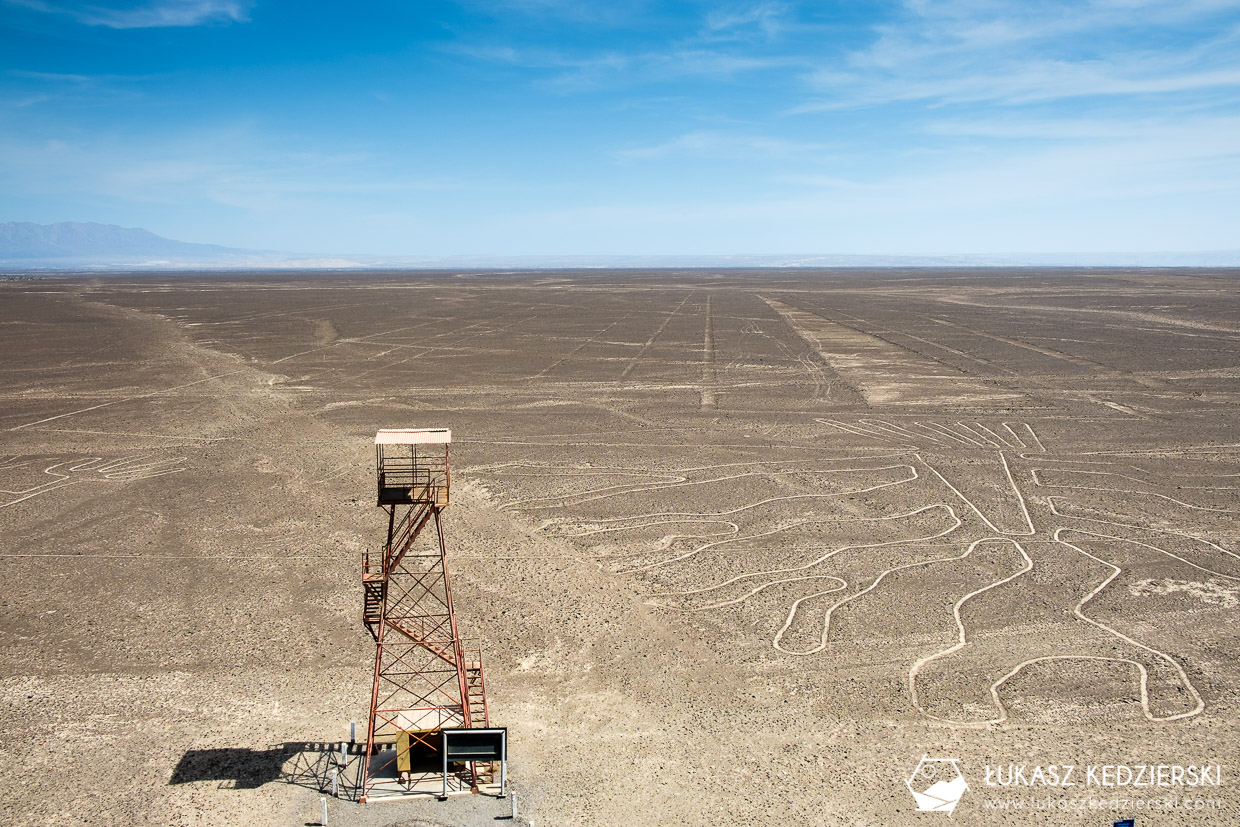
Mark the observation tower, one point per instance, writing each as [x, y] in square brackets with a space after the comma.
[427, 680]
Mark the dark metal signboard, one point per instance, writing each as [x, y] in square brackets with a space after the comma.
[463, 745]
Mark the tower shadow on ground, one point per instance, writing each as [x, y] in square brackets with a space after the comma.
[307, 764]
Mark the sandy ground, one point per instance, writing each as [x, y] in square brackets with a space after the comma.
[740, 547]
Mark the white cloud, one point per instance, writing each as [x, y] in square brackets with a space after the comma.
[949, 52]
[169, 13]
[968, 51]
[739, 21]
[154, 14]
[1093, 164]
[1024, 83]
[1062, 184]
[52, 77]
[573, 11]
[1086, 198]
[1092, 129]
[824, 182]
[576, 72]
[226, 167]
[720, 145]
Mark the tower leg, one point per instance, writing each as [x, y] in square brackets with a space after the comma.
[421, 681]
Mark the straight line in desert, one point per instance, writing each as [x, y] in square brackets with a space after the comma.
[650, 342]
[130, 399]
[578, 349]
[708, 359]
[883, 372]
[1080, 361]
[937, 345]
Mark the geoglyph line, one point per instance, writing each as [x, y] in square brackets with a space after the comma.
[590, 532]
[650, 342]
[855, 430]
[709, 387]
[1020, 441]
[671, 478]
[947, 432]
[995, 437]
[129, 399]
[578, 349]
[830, 613]
[605, 493]
[1078, 610]
[962, 635]
[1052, 501]
[834, 551]
[1037, 480]
[690, 483]
[913, 475]
[1154, 548]
[842, 585]
[1011, 482]
[899, 431]
[794, 524]
[974, 434]
[1033, 434]
[988, 439]
[92, 469]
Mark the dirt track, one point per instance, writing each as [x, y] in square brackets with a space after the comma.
[741, 547]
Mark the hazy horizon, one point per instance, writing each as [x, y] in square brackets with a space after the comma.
[74, 247]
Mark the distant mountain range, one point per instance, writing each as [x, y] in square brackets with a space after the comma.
[103, 242]
[90, 246]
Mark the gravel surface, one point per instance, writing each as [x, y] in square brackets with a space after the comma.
[740, 547]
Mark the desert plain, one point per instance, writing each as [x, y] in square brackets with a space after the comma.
[741, 547]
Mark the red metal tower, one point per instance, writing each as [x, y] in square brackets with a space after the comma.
[425, 679]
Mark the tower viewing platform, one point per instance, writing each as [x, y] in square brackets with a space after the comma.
[413, 466]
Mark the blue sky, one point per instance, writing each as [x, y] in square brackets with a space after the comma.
[427, 128]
